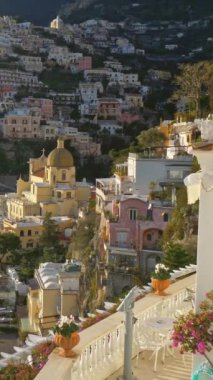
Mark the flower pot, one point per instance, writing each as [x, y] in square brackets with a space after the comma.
[66, 344]
[160, 286]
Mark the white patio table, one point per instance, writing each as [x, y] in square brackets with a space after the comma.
[161, 324]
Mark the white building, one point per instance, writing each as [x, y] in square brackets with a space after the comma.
[31, 63]
[88, 92]
[18, 78]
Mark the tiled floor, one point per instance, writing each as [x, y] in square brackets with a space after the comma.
[175, 368]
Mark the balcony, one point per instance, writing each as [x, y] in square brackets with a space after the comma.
[100, 351]
[122, 244]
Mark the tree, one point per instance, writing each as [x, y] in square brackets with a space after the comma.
[151, 138]
[82, 245]
[175, 256]
[9, 243]
[194, 82]
[50, 233]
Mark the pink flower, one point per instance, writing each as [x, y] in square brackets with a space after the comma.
[175, 343]
[201, 347]
[194, 334]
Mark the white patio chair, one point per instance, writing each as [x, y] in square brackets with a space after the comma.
[152, 340]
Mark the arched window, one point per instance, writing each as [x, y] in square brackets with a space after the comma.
[54, 179]
[21, 233]
[165, 217]
[63, 176]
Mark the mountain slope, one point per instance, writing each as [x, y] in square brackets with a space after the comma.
[40, 12]
[144, 10]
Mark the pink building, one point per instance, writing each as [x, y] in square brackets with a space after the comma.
[128, 117]
[45, 105]
[109, 108]
[7, 91]
[134, 232]
[85, 63]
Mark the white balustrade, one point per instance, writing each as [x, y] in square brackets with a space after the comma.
[103, 356]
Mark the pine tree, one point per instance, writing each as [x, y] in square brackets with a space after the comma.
[175, 256]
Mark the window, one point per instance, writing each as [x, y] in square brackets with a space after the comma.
[68, 195]
[149, 215]
[63, 176]
[133, 214]
[149, 237]
[21, 233]
[30, 244]
[58, 194]
[29, 232]
[121, 237]
[165, 217]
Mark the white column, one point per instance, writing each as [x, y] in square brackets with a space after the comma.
[204, 281]
[205, 227]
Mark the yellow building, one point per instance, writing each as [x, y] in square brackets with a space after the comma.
[51, 188]
[134, 100]
[53, 292]
[29, 230]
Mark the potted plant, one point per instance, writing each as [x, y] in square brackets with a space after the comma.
[66, 336]
[193, 332]
[160, 279]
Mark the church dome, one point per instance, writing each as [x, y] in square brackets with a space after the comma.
[60, 157]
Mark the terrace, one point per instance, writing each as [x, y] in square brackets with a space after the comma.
[100, 351]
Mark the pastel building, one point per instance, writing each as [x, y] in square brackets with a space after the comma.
[136, 175]
[31, 63]
[51, 188]
[83, 63]
[21, 123]
[53, 292]
[109, 108]
[30, 228]
[134, 231]
[18, 78]
[134, 100]
[45, 105]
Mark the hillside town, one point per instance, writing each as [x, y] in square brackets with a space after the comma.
[98, 138]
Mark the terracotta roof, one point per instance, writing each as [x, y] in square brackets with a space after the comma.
[39, 173]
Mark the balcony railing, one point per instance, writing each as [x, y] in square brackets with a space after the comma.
[100, 351]
[122, 244]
